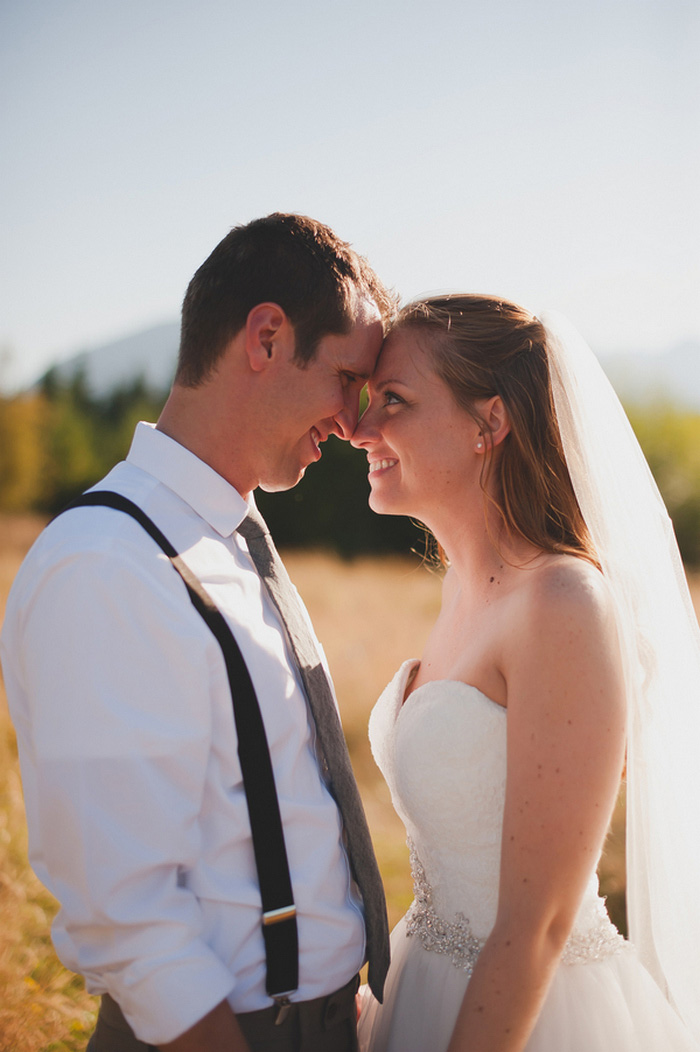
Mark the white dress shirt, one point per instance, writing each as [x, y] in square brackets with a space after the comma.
[135, 804]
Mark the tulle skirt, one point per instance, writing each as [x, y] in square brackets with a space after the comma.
[609, 1005]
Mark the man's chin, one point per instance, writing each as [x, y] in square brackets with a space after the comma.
[281, 485]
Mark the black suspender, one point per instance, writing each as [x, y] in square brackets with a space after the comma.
[279, 923]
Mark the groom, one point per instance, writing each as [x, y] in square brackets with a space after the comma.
[122, 699]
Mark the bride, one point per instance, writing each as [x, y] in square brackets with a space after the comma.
[565, 649]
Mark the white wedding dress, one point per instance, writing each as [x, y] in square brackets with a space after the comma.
[443, 754]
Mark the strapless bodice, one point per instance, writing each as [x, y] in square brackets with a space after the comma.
[443, 755]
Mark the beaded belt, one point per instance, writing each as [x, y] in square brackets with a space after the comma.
[457, 941]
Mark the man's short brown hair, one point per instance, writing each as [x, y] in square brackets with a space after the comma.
[291, 260]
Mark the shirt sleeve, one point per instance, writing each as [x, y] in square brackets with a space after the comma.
[115, 666]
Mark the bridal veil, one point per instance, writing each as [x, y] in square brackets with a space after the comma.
[660, 640]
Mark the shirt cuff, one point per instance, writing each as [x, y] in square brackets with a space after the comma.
[174, 997]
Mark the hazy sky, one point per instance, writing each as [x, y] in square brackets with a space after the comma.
[548, 151]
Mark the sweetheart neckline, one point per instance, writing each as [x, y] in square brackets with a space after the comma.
[459, 682]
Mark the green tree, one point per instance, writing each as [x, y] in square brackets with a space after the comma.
[670, 439]
[22, 451]
[86, 435]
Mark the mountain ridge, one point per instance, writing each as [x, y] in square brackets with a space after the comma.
[148, 353]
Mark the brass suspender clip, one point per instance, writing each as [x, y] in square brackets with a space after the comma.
[276, 916]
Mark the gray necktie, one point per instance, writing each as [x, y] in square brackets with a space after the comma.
[331, 742]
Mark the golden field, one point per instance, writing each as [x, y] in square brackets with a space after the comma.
[370, 614]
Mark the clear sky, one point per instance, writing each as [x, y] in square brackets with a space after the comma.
[544, 150]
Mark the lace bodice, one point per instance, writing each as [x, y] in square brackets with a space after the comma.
[443, 755]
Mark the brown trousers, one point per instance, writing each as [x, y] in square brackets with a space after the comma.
[326, 1024]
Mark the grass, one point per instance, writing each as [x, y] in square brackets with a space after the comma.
[370, 614]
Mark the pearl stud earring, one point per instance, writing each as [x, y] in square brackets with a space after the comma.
[480, 445]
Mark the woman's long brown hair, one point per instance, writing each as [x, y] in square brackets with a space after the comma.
[482, 346]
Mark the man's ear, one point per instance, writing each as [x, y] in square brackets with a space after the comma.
[267, 333]
[497, 420]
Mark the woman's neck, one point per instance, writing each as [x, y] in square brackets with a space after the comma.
[479, 548]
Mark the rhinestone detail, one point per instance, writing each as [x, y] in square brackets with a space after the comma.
[457, 941]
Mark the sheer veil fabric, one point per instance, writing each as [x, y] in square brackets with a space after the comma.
[660, 643]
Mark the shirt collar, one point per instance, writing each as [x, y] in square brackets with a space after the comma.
[207, 493]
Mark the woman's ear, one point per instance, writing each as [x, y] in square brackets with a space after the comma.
[267, 331]
[495, 416]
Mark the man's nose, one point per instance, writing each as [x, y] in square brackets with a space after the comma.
[364, 430]
[346, 419]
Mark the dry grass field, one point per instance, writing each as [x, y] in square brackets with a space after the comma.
[370, 614]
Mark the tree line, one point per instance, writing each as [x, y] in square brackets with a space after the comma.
[59, 438]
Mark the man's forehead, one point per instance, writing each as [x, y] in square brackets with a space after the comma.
[362, 344]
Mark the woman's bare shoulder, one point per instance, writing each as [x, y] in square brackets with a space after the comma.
[562, 593]
[566, 581]
[562, 642]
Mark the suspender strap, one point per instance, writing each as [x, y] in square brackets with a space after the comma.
[279, 924]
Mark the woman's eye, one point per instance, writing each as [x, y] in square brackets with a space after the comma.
[391, 398]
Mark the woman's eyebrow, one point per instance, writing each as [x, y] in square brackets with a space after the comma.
[385, 383]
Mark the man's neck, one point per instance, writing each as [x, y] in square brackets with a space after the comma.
[193, 420]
